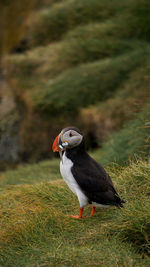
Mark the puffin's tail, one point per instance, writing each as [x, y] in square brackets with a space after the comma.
[119, 201]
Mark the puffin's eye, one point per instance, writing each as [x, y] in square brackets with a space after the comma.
[70, 134]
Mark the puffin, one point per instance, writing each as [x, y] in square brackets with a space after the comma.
[86, 178]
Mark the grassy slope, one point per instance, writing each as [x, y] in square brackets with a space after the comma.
[36, 232]
[87, 43]
[112, 114]
[30, 174]
[86, 84]
[129, 142]
[34, 201]
[88, 64]
[51, 24]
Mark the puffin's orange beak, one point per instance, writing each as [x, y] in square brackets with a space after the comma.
[55, 146]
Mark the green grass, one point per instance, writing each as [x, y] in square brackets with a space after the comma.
[51, 24]
[83, 44]
[132, 19]
[136, 21]
[86, 84]
[128, 143]
[104, 118]
[35, 231]
[82, 53]
[133, 224]
[30, 174]
[118, 86]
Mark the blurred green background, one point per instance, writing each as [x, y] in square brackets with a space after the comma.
[84, 63]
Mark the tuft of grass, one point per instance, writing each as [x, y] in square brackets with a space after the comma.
[111, 115]
[84, 44]
[34, 228]
[86, 84]
[134, 223]
[96, 41]
[51, 24]
[132, 19]
[130, 142]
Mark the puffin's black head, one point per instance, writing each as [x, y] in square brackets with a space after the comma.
[69, 137]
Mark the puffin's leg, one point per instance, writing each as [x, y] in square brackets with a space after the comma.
[80, 214]
[93, 211]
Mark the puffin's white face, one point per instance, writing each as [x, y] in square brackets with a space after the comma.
[68, 138]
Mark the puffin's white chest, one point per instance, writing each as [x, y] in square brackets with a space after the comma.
[65, 170]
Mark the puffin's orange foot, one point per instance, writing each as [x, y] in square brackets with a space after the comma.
[93, 211]
[78, 216]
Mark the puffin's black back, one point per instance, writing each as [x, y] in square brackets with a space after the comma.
[92, 178]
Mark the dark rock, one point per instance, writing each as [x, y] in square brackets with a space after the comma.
[9, 141]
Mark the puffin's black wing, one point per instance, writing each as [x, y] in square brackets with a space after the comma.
[95, 182]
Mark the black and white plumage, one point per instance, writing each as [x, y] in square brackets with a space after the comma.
[85, 177]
